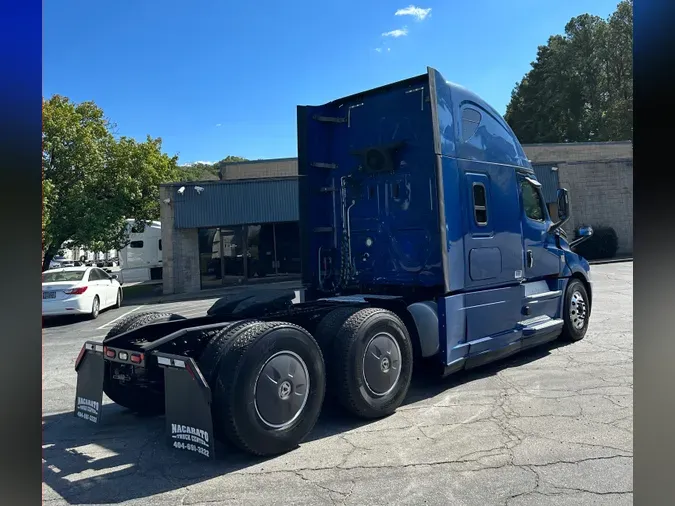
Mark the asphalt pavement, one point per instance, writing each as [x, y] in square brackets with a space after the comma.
[553, 425]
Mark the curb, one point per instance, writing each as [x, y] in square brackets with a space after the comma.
[610, 261]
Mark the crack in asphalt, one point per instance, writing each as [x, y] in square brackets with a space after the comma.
[569, 407]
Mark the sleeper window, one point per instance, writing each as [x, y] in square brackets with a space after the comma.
[470, 122]
[479, 204]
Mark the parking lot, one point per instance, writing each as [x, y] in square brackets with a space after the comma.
[553, 425]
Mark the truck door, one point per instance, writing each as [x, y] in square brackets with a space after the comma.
[542, 258]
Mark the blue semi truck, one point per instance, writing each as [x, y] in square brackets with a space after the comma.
[426, 243]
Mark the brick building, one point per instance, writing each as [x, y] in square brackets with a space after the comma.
[244, 228]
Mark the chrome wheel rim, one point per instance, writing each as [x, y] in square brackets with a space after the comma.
[281, 389]
[577, 312]
[382, 364]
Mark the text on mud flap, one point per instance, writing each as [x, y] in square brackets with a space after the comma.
[87, 405]
[188, 433]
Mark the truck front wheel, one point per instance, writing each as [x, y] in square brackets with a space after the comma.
[576, 311]
[373, 361]
[269, 388]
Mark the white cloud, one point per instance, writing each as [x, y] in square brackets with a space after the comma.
[417, 12]
[219, 124]
[378, 49]
[190, 164]
[399, 32]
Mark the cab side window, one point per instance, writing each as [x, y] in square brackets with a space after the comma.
[532, 201]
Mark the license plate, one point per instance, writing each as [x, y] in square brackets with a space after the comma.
[48, 295]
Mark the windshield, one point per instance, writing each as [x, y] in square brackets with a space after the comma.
[51, 277]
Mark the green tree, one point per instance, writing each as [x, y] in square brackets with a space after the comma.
[205, 171]
[219, 167]
[94, 182]
[197, 172]
[580, 87]
[47, 197]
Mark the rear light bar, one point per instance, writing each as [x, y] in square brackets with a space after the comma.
[76, 291]
[124, 356]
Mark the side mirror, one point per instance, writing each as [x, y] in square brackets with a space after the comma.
[582, 234]
[113, 276]
[563, 209]
[563, 204]
[585, 232]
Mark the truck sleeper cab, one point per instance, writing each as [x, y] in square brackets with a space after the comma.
[425, 241]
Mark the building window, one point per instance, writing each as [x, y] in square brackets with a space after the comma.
[136, 244]
[210, 271]
[260, 251]
[221, 256]
[480, 204]
[231, 255]
[533, 204]
[287, 239]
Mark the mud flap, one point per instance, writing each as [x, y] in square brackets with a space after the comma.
[187, 400]
[89, 392]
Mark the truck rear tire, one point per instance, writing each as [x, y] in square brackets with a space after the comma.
[137, 399]
[217, 348]
[330, 325]
[576, 311]
[372, 363]
[269, 387]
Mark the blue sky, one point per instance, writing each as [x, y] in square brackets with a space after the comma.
[214, 78]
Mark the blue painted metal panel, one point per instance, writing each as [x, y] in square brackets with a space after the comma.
[477, 322]
[549, 181]
[452, 329]
[408, 225]
[502, 232]
[492, 317]
[489, 153]
[235, 203]
[492, 140]
[393, 214]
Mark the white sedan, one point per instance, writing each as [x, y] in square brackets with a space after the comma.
[79, 290]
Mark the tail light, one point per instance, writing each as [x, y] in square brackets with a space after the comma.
[109, 353]
[136, 358]
[77, 291]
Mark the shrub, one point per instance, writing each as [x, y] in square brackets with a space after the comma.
[603, 244]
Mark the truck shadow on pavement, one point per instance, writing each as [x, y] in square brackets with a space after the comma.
[49, 322]
[127, 457]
